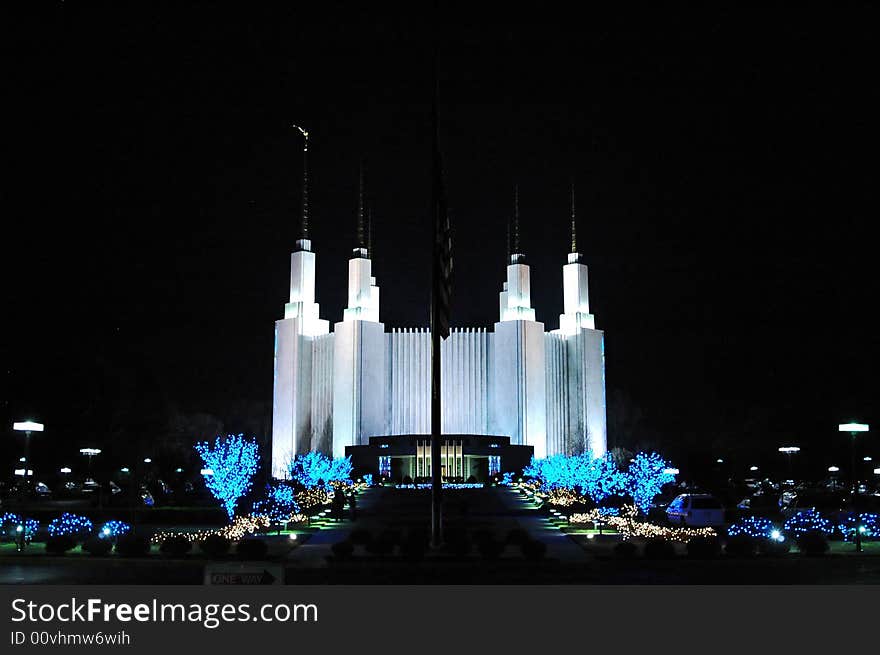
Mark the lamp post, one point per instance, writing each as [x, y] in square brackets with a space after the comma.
[789, 451]
[27, 427]
[854, 429]
[90, 452]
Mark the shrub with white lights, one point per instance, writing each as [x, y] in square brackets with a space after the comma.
[808, 521]
[70, 525]
[233, 460]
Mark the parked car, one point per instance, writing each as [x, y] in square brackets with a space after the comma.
[760, 504]
[698, 510]
[832, 506]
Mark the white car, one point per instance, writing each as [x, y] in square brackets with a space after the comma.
[698, 510]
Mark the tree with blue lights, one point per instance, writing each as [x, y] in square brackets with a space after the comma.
[233, 461]
[602, 479]
[278, 504]
[557, 472]
[645, 477]
[597, 478]
[314, 469]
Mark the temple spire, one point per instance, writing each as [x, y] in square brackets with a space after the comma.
[573, 223]
[361, 241]
[369, 230]
[304, 219]
[516, 249]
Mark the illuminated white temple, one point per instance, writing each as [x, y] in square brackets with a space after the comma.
[517, 384]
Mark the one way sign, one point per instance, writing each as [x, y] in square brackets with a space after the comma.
[243, 573]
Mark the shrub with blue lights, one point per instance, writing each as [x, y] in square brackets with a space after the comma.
[70, 525]
[368, 479]
[868, 524]
[754, 526]
[645, 477]
[234, 461]
[11, 522]
[8, 524]
[313, 470]
[113, 529]
[506, 479]
[808, 521]
[278, 504]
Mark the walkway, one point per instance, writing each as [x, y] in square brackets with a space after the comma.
[496, 510]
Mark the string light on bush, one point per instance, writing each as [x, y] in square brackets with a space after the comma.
[240, 527]
[12, 525]
[628, 527]
[808, 521]
[278, 504]
[753, 526]
[869, 526]
[9, 521]
[309, 498]
[113, 529]
[69, 525]
[446, 485]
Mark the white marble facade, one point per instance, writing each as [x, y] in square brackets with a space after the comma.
[337, 389]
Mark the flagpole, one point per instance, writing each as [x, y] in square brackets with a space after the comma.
[436, 426]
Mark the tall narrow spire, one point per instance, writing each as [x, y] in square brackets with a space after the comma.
[369, 230]
[573, 223]
[516, 249]
[304, 219]
[361, 242]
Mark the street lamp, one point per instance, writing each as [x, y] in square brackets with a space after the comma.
[833, 469]
[27, 427]
[789, 451]
[90, 452]
[854, 429]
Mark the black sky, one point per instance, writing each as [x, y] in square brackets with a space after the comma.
[725, 164]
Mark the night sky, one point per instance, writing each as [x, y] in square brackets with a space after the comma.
[725, 165]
